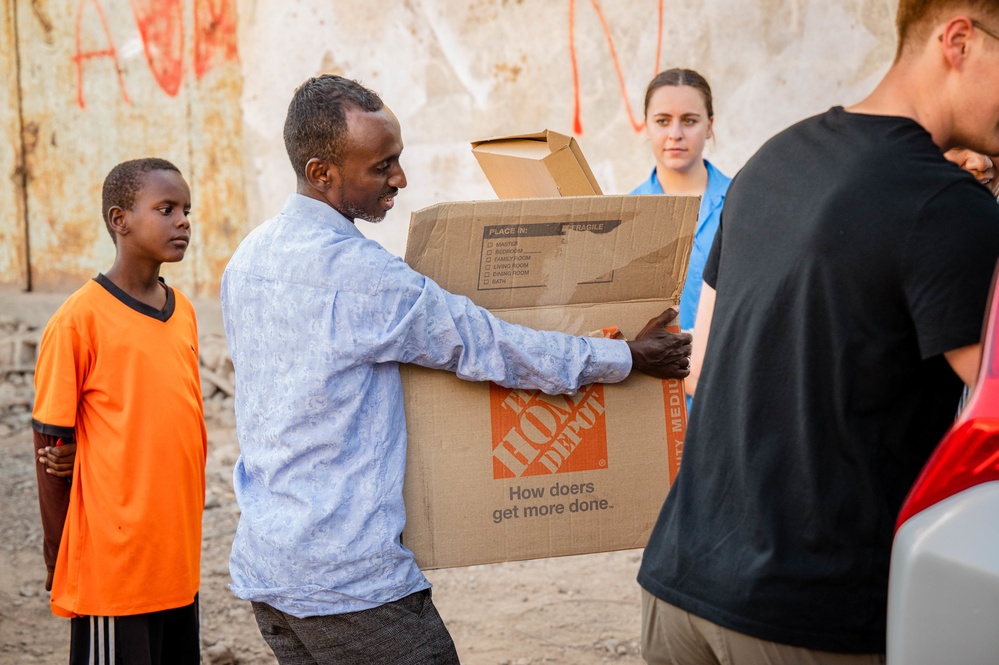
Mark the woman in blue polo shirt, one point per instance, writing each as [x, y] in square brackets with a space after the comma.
[678, 121]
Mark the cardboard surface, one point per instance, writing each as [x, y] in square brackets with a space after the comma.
[499, 475]
[534, 252]
[540, 164]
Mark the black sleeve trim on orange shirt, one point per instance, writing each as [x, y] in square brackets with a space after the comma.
[53, 430]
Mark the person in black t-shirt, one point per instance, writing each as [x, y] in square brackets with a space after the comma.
[846, 290]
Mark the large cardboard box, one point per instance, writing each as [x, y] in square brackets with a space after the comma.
[501, 475]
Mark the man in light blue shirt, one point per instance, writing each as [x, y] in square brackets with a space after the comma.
[318, 319]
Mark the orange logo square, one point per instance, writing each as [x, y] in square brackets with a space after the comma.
[535, 434]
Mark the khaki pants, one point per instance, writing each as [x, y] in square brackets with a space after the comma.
[671, 636]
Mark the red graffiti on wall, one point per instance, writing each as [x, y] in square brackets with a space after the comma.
[638, 124]
[161, 28]
[214, 34]
[161, 25]
[81, 55]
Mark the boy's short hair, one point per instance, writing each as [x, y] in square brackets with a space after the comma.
[124, 182]
[316, 125]
[915, 17]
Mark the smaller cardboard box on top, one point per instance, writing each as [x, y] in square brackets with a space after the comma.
[500, 475]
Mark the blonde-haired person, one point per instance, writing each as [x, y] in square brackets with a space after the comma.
[845, 311]
[984, 169]
[679, 119]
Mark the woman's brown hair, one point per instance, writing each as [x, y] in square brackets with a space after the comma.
[676, 77]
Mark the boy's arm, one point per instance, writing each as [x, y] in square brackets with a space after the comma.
[64, 361]
[53, 498]
[59, 458]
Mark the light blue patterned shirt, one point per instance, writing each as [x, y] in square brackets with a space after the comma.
[318, 319]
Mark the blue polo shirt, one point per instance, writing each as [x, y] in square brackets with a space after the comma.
[707, 224]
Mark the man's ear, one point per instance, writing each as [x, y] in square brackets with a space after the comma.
[321, 175]
[955, 38]
[118, 220]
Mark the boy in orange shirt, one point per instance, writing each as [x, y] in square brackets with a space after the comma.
[117, 375]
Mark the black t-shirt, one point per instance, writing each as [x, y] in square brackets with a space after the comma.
[850, 256]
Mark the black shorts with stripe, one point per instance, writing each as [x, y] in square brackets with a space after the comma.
[170, 637]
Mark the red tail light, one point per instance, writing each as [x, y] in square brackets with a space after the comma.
[968, 456]
[969, 452]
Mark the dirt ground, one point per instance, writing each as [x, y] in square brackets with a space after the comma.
[581, 610]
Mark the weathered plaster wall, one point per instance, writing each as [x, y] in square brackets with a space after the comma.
[13, 238]
[102, 81]
[205, 83]
[458, 70]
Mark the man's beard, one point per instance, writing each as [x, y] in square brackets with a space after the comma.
[355, 212]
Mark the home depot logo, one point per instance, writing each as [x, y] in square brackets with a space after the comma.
[534, 434]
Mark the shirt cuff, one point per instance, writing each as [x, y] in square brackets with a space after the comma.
[611, 361]
[53, 430]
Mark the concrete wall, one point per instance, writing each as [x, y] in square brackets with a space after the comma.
[102, 81]
[13, 232]
[459, 70]
[206, 83]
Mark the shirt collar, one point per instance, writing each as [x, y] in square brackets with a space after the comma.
[650, 186]
[303, 207]
[139, 306]
[713, 195]
[717, 185]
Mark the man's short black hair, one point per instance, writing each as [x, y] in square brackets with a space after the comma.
[316, 125]
[124, 182]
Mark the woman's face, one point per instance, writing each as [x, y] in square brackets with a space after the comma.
[677, 125]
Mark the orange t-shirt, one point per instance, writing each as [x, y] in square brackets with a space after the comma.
[124, 377]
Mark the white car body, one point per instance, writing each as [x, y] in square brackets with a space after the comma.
[943, 591]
